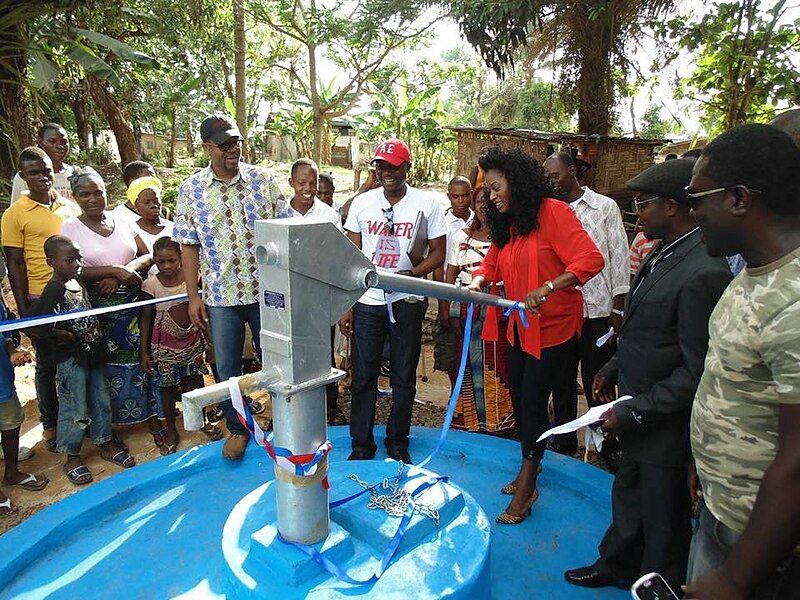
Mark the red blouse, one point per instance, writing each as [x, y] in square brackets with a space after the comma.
[526, 262]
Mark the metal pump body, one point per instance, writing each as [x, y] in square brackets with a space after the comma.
[309, 275]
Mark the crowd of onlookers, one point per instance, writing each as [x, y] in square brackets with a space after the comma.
[700, 355]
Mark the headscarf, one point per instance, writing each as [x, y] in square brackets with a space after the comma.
[137, 186]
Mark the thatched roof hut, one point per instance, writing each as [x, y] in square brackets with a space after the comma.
[610, 161]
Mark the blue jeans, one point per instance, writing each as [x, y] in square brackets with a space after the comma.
[84, 400]
[44, 379]
[370, 329]
[227, 336]
[712, 543]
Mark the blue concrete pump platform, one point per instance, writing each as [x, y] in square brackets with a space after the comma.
[193, 525]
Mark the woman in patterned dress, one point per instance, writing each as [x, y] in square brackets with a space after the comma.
[484, 403]
[114, 260]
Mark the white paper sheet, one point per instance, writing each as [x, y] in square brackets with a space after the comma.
[592, 416]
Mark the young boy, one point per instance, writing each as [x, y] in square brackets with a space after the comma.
[79, 352]
[457, 217]
[305, 203]
[11, 418]
[54, 141]
[326, 189]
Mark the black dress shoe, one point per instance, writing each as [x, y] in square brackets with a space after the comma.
[399, 455]
[587, 577]
[361, 454]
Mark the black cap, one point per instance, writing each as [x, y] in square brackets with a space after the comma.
[219, 128]
[665, 180]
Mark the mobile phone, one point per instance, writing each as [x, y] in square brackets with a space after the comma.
[652, 587]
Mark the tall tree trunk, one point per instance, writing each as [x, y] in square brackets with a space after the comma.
[226, 77]
[114, 114]
[595, 85]
[316, 105]
[633, 118]
[16, 123]
[189, 141]
[78, 105]
[240, 75]
[173, 137]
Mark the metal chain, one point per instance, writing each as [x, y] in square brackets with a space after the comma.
[394, 498]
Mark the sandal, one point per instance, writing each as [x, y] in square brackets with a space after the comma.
[158, 437]
[507, 519]
[213, 432]
[510, 489]
[9, 510]
[167, 448]
[120, 458]
[80, 475]
[32, 483]
[214, 415]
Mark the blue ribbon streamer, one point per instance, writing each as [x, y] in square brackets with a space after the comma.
[451, 405]
[520, 308]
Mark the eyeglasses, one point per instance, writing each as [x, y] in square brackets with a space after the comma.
[638, 203]
[692, 196]
[235, 142]
[388, 214]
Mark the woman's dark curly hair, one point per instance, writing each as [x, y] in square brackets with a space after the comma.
[528, 186]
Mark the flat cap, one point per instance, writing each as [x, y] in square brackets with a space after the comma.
[665, 180]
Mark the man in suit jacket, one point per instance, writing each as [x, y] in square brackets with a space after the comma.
[659, 360]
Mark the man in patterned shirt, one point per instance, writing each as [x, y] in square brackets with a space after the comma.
[215, 216]
[603, 295]
[745, 428]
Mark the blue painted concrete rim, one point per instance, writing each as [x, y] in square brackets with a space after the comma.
[42, 533]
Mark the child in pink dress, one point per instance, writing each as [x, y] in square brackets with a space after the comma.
[170, 347]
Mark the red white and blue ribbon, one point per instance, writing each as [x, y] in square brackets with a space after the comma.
[300, 465]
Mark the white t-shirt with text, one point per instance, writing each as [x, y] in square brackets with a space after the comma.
[369, 215]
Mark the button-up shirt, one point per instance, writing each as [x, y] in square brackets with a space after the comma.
[602, 220]
[454, 224]
[220, 218]
[318, 213]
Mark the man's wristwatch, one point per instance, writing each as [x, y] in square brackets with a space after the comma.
[551, 286]
[619, 312]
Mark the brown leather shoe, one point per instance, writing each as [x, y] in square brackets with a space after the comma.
[234, 446]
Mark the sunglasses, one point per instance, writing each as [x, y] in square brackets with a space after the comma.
[638, 203]
[691, 195]
[235, 142]
[388, 214]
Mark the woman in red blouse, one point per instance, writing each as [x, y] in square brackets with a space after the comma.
[541, 252]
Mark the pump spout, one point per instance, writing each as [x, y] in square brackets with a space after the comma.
[196, 400]
[391, 282]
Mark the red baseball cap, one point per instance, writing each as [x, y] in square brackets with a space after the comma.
[395, 152]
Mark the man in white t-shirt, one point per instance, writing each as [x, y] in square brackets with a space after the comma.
[380, 222]
[53, 140]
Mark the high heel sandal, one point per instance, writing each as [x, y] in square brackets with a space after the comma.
[510, 489]
[506, 519]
